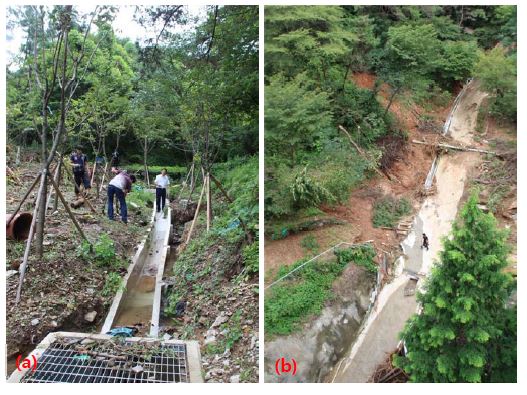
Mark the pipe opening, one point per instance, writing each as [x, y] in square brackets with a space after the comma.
[19, 227]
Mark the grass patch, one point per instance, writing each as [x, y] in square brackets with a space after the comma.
[387, 211]
[113, 284]
[171, 170]
[305, 292]
[102, 252]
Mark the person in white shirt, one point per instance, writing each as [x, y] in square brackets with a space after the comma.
[162, 183]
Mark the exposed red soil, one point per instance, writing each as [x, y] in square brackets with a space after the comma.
[407, 175]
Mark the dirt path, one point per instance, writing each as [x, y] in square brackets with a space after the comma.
[380, 334]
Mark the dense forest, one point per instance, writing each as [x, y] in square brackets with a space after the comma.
[421, 53]
[153, 101]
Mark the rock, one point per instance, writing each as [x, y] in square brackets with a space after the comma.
[35, 322]
[54, 323]
[166, 337]
[137, 369]
[90, 317]
[208, 376]
[209, 340]
[226, 363]
[235, 378]
[222, 318]
[10, 273]
[253, 342]
[90, 291]
[87, 341]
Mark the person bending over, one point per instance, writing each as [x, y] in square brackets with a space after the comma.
[162, 183]
[119, 186]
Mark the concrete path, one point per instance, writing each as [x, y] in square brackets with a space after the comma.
[381, 332]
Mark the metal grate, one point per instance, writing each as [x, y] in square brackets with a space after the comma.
[74, 360]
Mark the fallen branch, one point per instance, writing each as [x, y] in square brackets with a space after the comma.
[454, 147]
[361, 153]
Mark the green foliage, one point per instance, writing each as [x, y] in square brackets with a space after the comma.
[388, 210]
[458, 60]
[296, 115]
[310, 244]
[497, 72]
[250, 257]
[102, 253]
[465, 332]
[308, 193]
[141, 197]
[304, 293]
[113, 284]
[363, 255]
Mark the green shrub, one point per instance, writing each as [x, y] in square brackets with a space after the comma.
[305, 292]
[388, 210]
[250, 257]
[102, 253]
[310, 244]
[362, 256]
[307, 192]
[113, 284]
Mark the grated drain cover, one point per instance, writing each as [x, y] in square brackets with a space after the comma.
[78, 360]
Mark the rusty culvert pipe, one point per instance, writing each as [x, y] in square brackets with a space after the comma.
[18, 229]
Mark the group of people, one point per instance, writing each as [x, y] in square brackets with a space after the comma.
[119, 186]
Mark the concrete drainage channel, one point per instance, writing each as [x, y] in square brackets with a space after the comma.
[87, 358]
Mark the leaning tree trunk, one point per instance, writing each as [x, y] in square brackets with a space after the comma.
[390, 102]
[42, 201]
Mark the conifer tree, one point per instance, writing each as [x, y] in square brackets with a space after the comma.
[465, 332]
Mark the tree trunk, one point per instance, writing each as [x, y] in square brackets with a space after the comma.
[41, 213]
[395, 92]
[209, 203]
[145, 155]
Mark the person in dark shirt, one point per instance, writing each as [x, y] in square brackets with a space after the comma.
[79, 162]
[425, 242]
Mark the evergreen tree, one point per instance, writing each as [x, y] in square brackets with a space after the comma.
[465, 332]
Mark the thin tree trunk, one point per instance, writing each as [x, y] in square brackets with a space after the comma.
[145, 155]
[395, 92]
[23, 266]
[209, 203]
[56, 201]
[195, 215]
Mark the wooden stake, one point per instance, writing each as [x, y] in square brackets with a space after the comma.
[55, 176]
[99, 190]
[195, 214]
[93, 172]
[24, 199]
[23, 266]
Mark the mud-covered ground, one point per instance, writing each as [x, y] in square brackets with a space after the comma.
[61, 291]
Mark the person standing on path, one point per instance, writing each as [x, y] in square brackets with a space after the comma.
[119, 186]
[162, 183]
[425, 242]
[79, 162]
